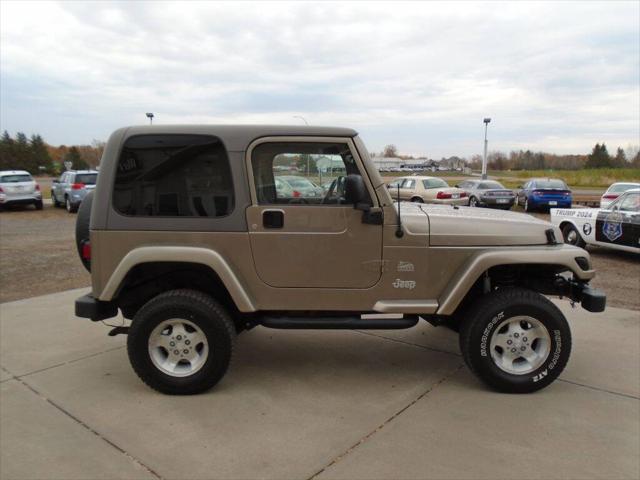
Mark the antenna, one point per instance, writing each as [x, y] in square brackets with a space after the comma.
[399, 231]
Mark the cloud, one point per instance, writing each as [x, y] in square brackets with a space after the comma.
[554, 76]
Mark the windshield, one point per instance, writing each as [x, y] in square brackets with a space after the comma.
[87, 178]
[490, 185]
[16, 178]
[553, 184]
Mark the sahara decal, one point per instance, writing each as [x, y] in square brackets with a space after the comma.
[405, 266]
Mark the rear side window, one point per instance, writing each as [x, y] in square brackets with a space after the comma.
[15, 178]
[173, 176]
[87, 178]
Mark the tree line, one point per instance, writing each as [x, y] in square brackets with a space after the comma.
[36, 156]
[530, 160]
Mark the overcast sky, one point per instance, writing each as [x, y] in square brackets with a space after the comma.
[553, 76]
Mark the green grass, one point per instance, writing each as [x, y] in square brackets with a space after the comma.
[594, 177]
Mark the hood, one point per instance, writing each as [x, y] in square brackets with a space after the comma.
[468, 226]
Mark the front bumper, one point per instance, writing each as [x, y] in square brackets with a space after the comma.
[89, 307]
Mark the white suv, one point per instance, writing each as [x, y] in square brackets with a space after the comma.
[17, 187]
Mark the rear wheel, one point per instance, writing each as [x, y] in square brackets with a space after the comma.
[38, 204]
[417, 200]
[473, 202]
[55, 201]
[572, 236]
[71, 208]
[527, 206]
[181, 342]
[515, 340]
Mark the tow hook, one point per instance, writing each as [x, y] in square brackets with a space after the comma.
[591, 299]
[118, 331]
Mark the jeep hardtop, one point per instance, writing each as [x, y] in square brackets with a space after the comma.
[194, 237]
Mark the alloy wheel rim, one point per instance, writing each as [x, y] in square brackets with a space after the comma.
[178, 347]
[520, 345]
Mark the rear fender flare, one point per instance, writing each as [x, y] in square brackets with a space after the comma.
[204, 256]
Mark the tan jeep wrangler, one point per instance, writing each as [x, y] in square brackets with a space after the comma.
[197, 233]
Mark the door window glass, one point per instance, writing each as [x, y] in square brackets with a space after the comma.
[408, 183]
[173, 176]
[301, 173]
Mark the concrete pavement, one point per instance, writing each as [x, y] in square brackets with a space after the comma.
[299, 404]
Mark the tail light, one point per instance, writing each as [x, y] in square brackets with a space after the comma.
[611, 196]
[463, 194]
[86, 251]
[77, 186]
[296, 194]
[1, 190]
[443, 195]
[567, 194]
[37, 187]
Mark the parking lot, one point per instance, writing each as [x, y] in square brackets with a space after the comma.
[38, 256]
[310, 404]
[299, 404]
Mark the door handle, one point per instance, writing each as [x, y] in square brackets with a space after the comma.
[273, 218]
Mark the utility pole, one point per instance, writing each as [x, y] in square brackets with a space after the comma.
[150, 117]
[484, 158]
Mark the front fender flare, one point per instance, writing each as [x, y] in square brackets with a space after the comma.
[560, 255]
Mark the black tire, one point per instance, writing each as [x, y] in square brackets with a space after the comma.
[38, 205]
[489, 313]
[82, 227]
[473, 202]
[56, 203]
[208, 315]
[572, 236]
[527, 207]
[71, 208]
[417, 200]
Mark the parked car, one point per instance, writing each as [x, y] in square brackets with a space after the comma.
[70, 189]
[427, 190]
[17, 187]
[617, 226]
[538, 193]
[488, 193]
[302, 186]
[614, 191]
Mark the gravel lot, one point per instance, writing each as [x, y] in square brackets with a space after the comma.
[38, 256]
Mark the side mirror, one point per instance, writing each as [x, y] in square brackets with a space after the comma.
[354, 190]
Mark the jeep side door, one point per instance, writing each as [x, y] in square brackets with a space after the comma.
[303, 236]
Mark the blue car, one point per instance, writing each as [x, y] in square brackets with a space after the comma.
[540, 193]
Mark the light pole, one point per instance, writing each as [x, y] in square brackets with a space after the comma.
[484, 158]
[150, 117]
[301, 118]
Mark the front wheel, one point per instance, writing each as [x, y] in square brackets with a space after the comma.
[572, 236]
[181, 342]
[515, 340]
